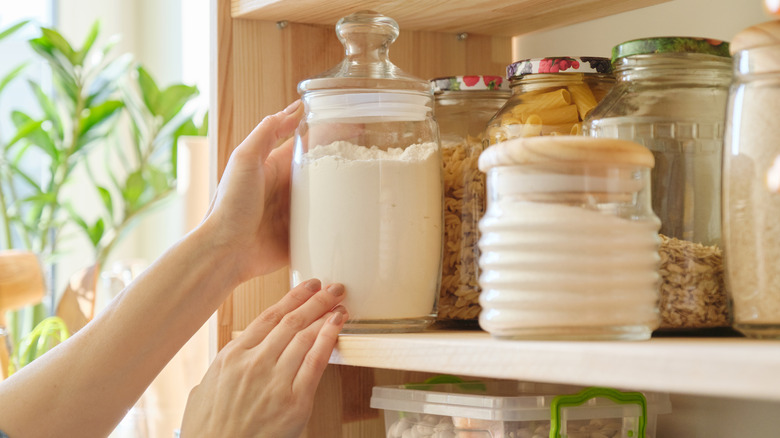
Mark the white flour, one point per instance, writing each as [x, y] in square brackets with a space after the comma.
[370, 219]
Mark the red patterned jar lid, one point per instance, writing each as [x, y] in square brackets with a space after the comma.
[561, 64]
[468, 83]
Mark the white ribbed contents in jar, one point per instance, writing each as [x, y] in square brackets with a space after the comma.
[569, 243]
[370, 219]
[571, 269]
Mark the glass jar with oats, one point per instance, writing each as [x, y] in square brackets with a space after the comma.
[670, 96]
[550, 96]
[463, 106]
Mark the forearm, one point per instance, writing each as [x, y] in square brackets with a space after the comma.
[86, 385]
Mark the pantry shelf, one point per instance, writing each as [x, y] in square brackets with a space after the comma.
[487, 17]
[723, 367]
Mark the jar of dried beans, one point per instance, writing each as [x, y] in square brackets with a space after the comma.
[751, 182]
[671, 96]
[550, 96]
[463, 106]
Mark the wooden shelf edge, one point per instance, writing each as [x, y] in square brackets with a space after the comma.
[485, 17]
[719, 367]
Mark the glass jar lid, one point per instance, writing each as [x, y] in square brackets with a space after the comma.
[659, 45]
[366, 36]
[565, 149]
[562, 64]
[366, 86]
[468, 83]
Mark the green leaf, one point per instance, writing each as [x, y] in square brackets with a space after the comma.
[173, 99]
[203, 130]
[107, 82]
[24, 130]
[95, 232]
[27, 178]
[150, 93]
[98, 114]
[186, 128]
[11, 75]
[48, 108]
[38, 137]
[158, 180]
[105, 196]
[76, 217]
[134, 188]
[81, 55]
[11, 29]
[59, 43]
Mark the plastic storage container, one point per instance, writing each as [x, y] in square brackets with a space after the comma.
[463, 106]
[751, 189]
[510, 409]
[366, 203]
[550, 96]
[569, 242]
[670, 96]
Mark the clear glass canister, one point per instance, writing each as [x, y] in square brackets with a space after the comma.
[463, 106]
[366, 201]
[550, 96]
[671, 96]
[751, 182]
[569, 241]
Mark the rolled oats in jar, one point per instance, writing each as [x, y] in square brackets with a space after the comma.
[464, 105]
[550, 96]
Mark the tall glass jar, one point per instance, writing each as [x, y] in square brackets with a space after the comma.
[670, 96]
[751, 182]
[550, 96]
[366, 202]
[463, 106]
[569, 242]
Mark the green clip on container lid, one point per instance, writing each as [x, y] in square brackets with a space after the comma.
[645, 46]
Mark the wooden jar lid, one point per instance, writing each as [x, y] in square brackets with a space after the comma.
[760, 35]
[565, 150]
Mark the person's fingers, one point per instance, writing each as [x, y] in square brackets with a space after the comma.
[259, 328]
[299, 347]
[298, 320]
[316, 359]
[266, 135]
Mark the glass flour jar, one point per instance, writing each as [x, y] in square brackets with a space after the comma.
[751, 182]
[569, 242]
[463, 106]
[671, 96]
[366, 201]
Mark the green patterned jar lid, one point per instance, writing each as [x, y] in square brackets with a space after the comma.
[645, 46]
[468, 83]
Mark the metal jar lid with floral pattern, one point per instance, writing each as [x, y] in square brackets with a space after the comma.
[560, 64]
[657, 45]
[468, 83]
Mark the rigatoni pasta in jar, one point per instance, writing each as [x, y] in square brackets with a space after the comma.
[550, 96]
[463, 107]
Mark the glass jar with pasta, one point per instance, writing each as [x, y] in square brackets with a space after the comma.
[550, 96]
[463, 106]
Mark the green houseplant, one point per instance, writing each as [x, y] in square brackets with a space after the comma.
[95, 93]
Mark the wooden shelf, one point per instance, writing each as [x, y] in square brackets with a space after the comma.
[723, 367]
[487, 17]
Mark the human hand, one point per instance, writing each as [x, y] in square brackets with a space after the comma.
[251, 210]
[262, 384]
